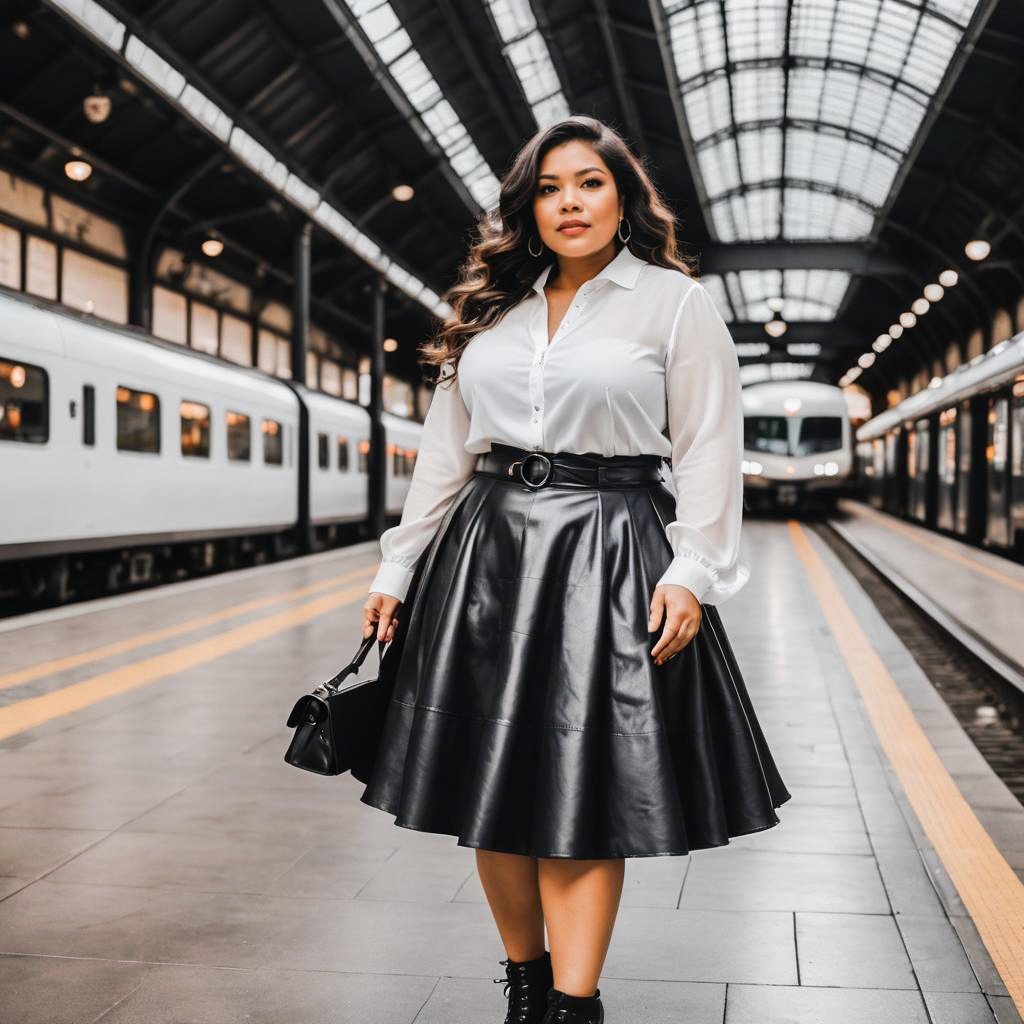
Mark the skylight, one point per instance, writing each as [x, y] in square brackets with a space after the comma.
[527, 53]
[396, 51]
[802, 117]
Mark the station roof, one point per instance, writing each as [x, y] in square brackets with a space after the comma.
[832, 154]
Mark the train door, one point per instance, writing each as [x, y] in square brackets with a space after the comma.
[962, 521]
[945, 499]
[1017, 466]
[918, 437]
[997, 519]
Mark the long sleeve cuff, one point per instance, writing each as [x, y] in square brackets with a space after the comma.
[393, 579]
[706, 583]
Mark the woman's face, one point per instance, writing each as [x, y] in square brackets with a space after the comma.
[574, 184]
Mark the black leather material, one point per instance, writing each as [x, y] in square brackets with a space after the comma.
[527, 984]
[527, 714]
[566, 1009]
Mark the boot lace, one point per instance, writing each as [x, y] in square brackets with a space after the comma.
[517, 991]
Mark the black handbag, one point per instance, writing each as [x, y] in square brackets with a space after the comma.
[337, 730]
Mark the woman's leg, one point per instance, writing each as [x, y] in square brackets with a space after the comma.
[580, 900]
[510, 884]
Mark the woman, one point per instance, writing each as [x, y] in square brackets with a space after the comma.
[540, 547]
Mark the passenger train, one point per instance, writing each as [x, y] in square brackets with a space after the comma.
[127, 460]
[797, 446]
[951, 457]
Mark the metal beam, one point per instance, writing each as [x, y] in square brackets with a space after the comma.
[855, 257]
[827, 333]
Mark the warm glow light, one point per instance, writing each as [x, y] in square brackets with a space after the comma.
[390, 344]
[775, 328]
[212, 246]
[403, 193]
[791, 406]
[775, 304]
[881, 343]
[77, 170]
[896, 331]
[17, 377]
[908, 319]
[866, 359]
[977, 249]
[934, 292]
[949, 278]
[921, 306]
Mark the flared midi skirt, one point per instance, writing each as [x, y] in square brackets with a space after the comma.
[527, 715]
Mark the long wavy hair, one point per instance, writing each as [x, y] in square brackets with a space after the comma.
[499, 271]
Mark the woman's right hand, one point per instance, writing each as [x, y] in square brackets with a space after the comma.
[379, 613]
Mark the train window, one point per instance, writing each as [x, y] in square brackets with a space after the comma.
[766, 434]
[138, 420]
[88, 414]
[819, 434]
[273, 443]
[24, 402]
[364, 456]
[343, 454]
[323, 459]
[195, 429]
[238, 437]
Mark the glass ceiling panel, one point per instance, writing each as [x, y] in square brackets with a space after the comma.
[817, 140]
[809, 294]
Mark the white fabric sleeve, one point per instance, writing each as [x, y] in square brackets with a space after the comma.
[705, 425]
[442, 467]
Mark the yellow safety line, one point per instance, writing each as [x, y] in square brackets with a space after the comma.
[27, 714]
[921, 538]
[48, 668]
[988, 886]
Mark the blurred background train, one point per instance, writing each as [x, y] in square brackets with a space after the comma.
[797, 446]
[135, 461]
[951, 456]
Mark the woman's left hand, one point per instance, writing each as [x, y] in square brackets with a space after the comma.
[682, 614]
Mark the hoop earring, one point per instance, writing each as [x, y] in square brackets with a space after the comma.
[529, 246]
[619, 231]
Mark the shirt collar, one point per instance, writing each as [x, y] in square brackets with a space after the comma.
[624, 270]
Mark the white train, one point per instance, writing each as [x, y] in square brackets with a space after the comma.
[797, 445]
[127, 460]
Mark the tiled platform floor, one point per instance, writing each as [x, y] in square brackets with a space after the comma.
[160, 863]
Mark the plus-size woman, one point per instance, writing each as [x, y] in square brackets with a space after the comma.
[565, 695]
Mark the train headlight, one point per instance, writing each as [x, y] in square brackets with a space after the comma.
[831, 468]
[751, 468]
[819, 468]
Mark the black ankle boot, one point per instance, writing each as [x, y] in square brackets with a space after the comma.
[566, 1009]
[527, 983]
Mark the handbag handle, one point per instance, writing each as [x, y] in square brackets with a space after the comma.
[357, 660]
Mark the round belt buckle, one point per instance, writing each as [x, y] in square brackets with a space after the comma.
[520, 463]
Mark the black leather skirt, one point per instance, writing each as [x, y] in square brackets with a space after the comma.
[527, 714]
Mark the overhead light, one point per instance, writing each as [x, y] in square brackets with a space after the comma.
[775, 304]
[403, 193]
[934, 292]
[866, 359]
[908, 319]
[77, 170]
[21, 29]
[896, 331]
[212, 246]
[97, 107]
[390, 344]
[949, 278]
[881, 343]
[977, 249]
[776, 327]
[921, 306]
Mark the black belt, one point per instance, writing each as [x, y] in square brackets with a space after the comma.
[537, 469]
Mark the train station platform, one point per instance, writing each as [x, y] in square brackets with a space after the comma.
[159, 861]
[973, 593]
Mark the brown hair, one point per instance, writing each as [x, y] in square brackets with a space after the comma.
[499, 271]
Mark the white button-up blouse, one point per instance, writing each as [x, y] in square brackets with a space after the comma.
[641, 348]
